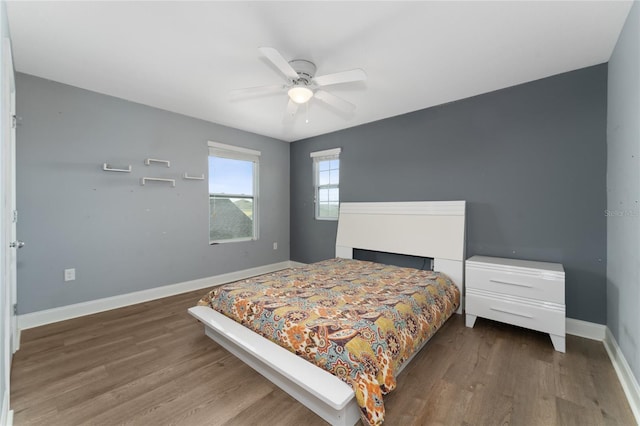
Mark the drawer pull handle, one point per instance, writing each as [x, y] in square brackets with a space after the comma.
[511, 312]
[507, 282]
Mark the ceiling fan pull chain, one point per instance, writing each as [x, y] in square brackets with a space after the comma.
[307, 120]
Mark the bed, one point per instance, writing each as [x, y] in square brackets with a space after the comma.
[427, 229]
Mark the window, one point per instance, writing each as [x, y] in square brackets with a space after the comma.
[326, 182]
[233, 193]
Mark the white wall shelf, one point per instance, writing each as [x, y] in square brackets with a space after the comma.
[187, 176]
[110, 168]
[144, 180]
[149, 161]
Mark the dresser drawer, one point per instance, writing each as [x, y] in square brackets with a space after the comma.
[522, 283]
[533, 315]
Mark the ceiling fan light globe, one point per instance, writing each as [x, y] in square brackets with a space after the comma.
[300, 94]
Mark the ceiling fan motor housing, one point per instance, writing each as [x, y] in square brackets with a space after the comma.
[305, 69]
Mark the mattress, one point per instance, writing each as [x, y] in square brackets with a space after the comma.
[358, 320]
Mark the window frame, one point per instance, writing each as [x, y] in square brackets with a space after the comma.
[317, 157]
[232, 152]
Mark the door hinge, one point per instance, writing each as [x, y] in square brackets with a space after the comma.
[15, 216]
[15, 309]
[14, 121]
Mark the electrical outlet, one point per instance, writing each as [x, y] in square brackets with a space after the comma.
[70, 274]
[275, 246]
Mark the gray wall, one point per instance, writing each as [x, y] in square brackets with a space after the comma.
[122, 237]
[530, 161]
[623, 184]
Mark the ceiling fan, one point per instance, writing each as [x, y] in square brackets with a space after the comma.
[302, 83]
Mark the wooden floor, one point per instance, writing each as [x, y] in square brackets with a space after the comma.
[150, 364]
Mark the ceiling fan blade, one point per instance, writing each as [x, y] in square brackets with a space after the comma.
[340, 77]
[281, 63]
[258, 90]
[334, 101]
[292, 108]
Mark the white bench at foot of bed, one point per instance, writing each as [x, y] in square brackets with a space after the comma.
[320, 391]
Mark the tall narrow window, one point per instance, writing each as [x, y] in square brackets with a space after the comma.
[233, 193]
[326, 181]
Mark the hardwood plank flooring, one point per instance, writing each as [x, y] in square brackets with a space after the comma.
[151, 364]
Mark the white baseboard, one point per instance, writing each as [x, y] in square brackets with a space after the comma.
[625, 375]
[602, 333]
[6, 416]
[48, 316]
[585, 329]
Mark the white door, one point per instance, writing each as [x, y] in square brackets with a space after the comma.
[10, 242]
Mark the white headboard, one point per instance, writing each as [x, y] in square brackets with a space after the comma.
[433, 229]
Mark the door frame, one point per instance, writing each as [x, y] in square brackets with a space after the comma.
[9, 186]
[8, 217]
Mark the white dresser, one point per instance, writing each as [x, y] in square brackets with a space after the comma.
[519, 292]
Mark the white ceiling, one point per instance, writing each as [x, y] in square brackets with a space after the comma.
[185, 57]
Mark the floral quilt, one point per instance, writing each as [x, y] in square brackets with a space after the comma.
[358, 320]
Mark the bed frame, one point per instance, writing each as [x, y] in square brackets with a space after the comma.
[434, 229]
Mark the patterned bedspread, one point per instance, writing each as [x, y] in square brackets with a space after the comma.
[358, 320]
